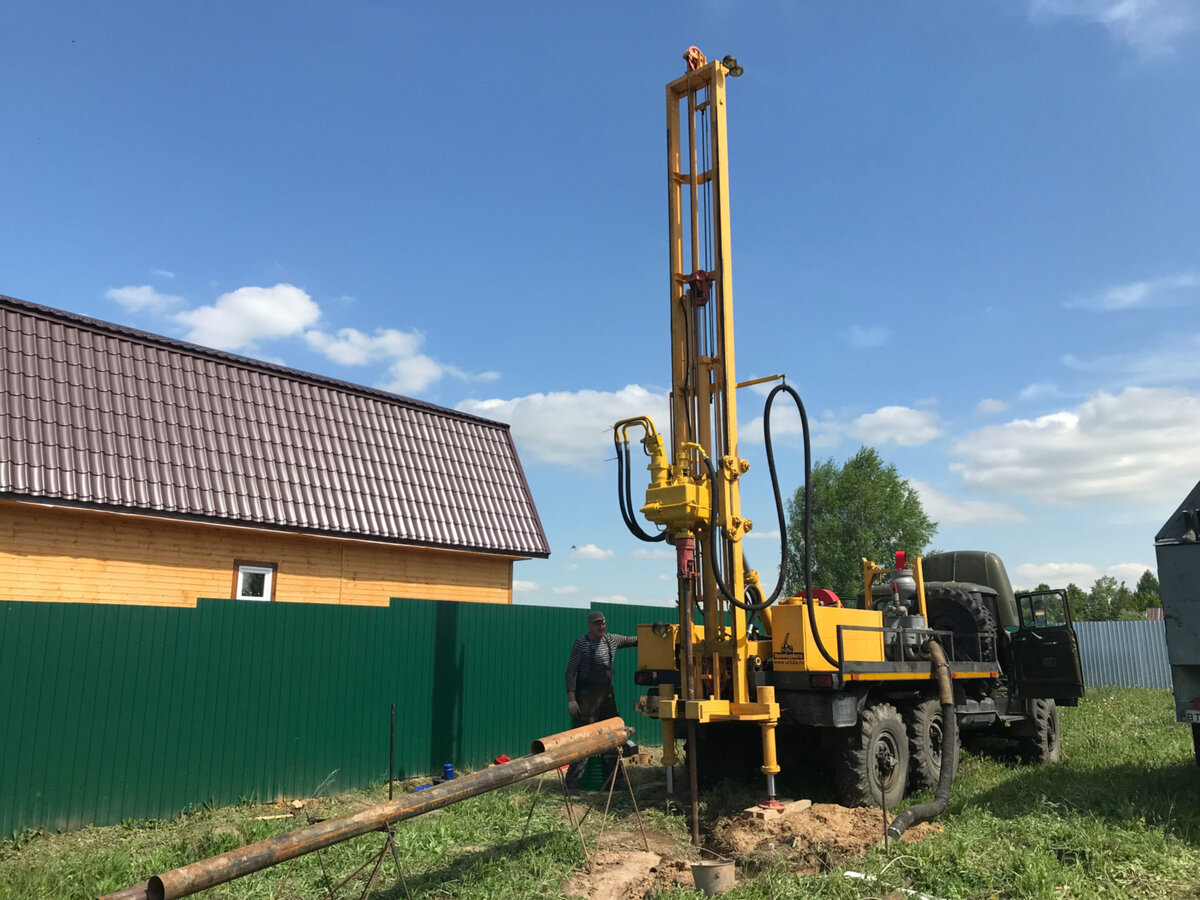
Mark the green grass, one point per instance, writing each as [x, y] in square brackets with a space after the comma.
[1117, 818]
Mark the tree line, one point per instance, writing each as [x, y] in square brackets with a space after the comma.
[1110, 600]
[863, 507]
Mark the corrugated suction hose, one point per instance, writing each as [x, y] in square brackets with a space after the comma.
[923, 812]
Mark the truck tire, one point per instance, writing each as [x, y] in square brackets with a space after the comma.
[1196, 742]
[964, 615]
[873, 769]
[1044, 744]
[925, 733]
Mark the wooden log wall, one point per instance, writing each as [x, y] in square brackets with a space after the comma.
[61, 554]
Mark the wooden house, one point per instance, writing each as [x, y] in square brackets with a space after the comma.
[139, 469]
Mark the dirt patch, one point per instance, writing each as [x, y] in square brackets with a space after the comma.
[809, 841]
[628, 875]
[813, 840]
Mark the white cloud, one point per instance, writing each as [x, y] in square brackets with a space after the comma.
[1129, 572]
[1152, 292]
[590, 551]
[573, 428]
[1039, 390]
[413, 374]
[756, 535]
[242, 318]
[785, 423]
[1128, 447]
[652, 553]
[1177, 361]
[861, 338]
[163, 273]
[611, 598]
[947, 510]
[1150, 27]
[524, 586]
[564, 589]
[1056, 574]
[411, 371]
[989, 405]
[900, 425]
[144, 298]
[351, 347]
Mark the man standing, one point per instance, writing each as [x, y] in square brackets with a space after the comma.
[589, 679]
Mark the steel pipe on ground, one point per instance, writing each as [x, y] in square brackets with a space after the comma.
[549, 753]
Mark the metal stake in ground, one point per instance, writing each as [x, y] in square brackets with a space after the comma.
[571, 816]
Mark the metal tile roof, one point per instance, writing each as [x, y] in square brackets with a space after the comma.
[98, 414]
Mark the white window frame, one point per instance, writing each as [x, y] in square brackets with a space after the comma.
[268, 581]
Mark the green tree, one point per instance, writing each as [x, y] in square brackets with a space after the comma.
[861, 508]
[1077, 600]
[1110, 600]
[1125, 604]
[1147, 593]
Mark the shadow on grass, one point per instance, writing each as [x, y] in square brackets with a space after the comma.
[1162, 795]
[457, 870]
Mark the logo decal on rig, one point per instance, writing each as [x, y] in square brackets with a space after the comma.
[787, 653]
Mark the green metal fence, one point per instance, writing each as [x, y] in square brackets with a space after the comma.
[112, 712]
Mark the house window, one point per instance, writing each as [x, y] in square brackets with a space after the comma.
[254, 580]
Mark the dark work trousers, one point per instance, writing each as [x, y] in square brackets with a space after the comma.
[596, 703]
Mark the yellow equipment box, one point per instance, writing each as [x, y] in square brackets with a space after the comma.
[795, 649]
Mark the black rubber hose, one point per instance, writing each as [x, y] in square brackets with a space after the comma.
[808, 592]
[625, 496]
[748, 606]
[923, 812]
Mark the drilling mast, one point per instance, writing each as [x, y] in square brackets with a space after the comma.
[694, 493]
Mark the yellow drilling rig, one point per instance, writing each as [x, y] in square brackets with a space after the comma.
[880, 684]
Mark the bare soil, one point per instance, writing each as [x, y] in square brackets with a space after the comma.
[809, 841]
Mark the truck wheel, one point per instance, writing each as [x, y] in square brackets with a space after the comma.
[964, 615]
[873, 769]
[1043, 746]
[925, 744]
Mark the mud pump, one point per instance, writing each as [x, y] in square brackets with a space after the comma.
[882, 681]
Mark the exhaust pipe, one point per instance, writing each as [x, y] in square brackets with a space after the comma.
[923, 812]
[549, 753]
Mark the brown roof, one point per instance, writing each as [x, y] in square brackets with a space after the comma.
[101, 415]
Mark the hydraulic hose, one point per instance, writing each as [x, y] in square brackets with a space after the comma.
[624, 491]
[808, 592]
[747, 605]
[923, 812]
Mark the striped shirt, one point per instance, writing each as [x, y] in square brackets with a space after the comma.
[591, 662]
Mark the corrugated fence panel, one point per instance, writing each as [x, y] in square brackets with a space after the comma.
[113, 712]
[1124, 654]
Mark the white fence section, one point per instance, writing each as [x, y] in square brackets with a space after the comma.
[1124, 654]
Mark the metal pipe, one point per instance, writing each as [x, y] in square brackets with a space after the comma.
[549, 753]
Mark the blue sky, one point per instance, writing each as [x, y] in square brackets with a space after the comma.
[967, 232]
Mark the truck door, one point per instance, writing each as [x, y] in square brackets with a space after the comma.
[1045, 651]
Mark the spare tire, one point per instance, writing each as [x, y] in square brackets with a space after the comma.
[964, 615]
